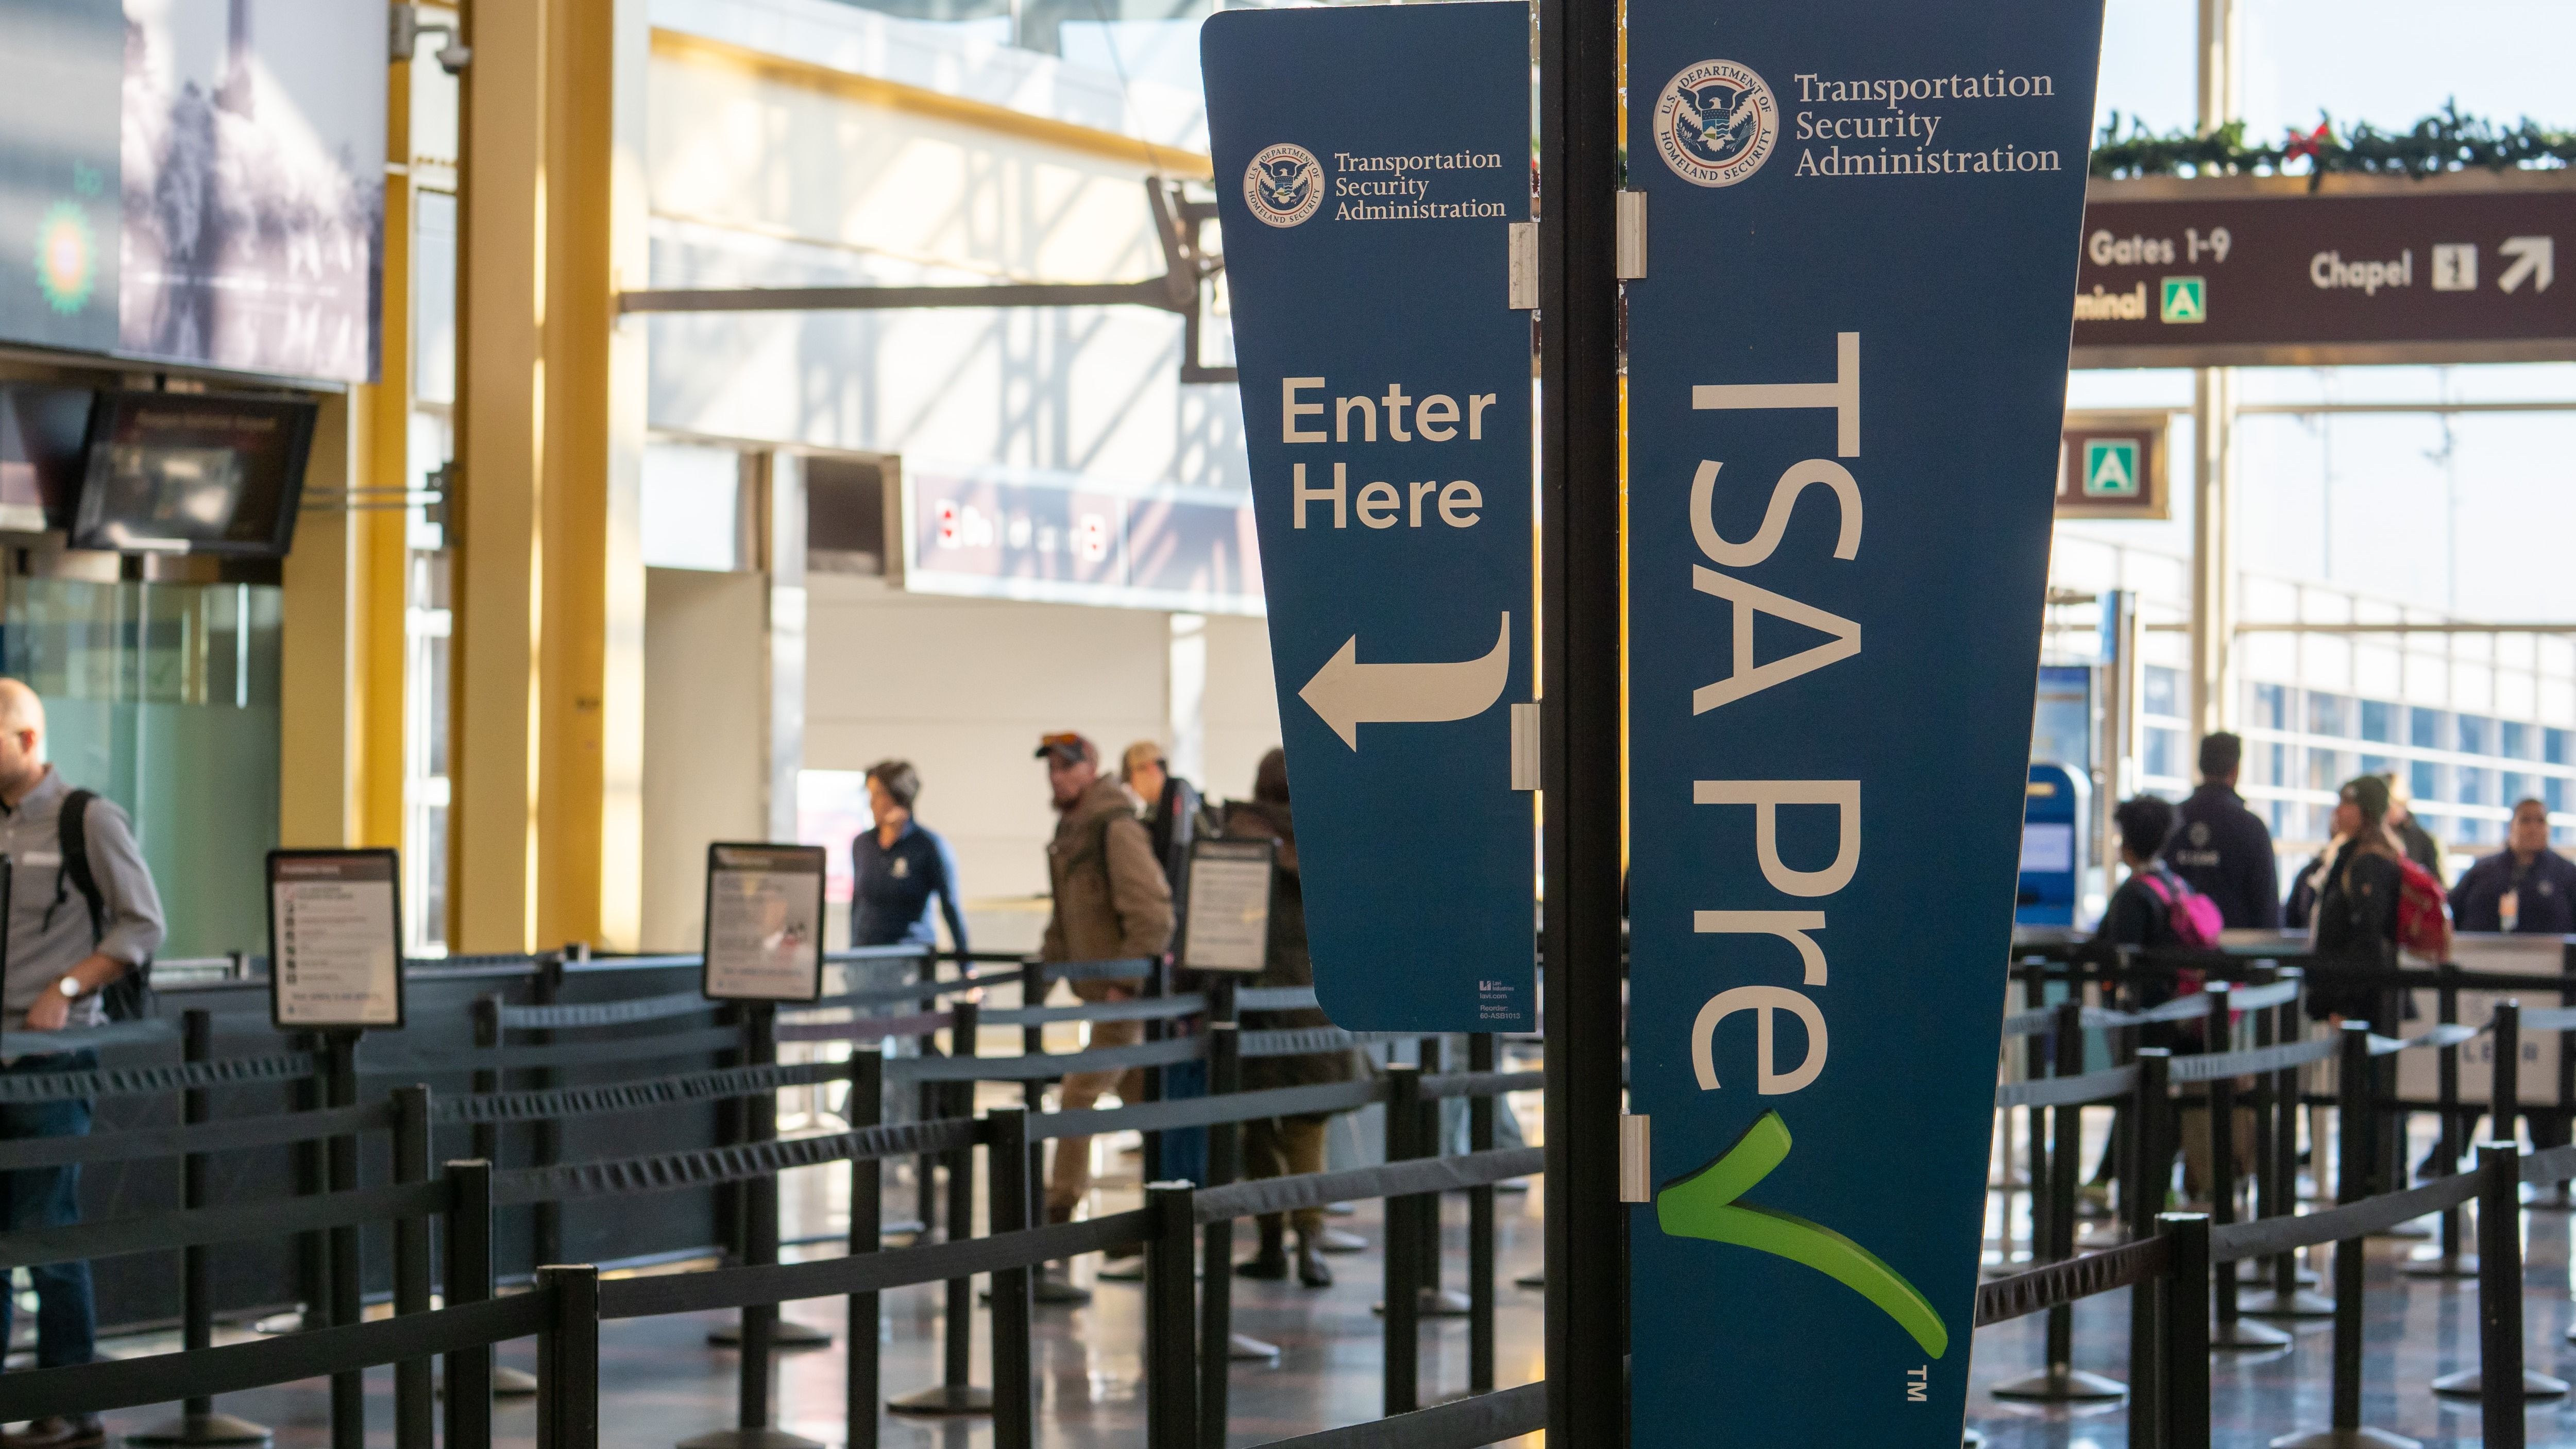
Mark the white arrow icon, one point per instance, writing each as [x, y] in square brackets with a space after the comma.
[2534, 258]
[1348, 693]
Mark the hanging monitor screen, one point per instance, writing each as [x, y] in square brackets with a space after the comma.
[193, 473]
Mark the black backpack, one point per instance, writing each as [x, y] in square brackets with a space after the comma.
[129, 997]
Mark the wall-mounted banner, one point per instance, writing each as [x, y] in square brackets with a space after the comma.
[335, 939]
[764, 924]
[1846, 374]
[1369, 164]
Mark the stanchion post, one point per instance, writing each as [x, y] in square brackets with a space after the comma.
[859, 1330]
[2034, 1065]
[546, 1216]
[486, 1012]
[2500, 1294]
[1216, 1251]
[1429, 1141]
[2566, 1108]
[928, 1100]
[2504, 1109]
[2150, 1179]
[469, 1280]
[568, 1359]
[2184, 1346]
[198, 1425]
[2352, 1184]
[1171, 1342]
[312, 1179]
[2065, 1161]
[1157, 986]
[348, 1390]
[2447, 1071]
[1480, 1226]
[1014, 1385]
[2232, 1331]
[956, 1393]
[2281, 1181]
[415, 1412]
[1403, 1247]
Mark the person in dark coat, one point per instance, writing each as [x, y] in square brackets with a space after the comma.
[2356, 908]
[1285, 1146]
[898, 868]
[2220, 848]
[2525, 888]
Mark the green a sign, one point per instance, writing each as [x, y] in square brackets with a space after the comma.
[2184, 301]
[2111, 468]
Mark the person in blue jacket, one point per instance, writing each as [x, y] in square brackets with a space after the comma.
[2220, 848]
[2524, 889]
[897, 867]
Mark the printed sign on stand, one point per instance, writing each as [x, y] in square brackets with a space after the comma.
[1228, 927]
[764, 927]
[335, 939]
[1371, 164]
[1846, 375]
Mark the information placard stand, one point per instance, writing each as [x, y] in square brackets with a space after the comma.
[763, 945]
[335, 971]
[1228, 925]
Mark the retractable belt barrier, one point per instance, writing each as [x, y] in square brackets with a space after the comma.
[154, 1080]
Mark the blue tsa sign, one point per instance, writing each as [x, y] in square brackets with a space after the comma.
[1847, 369]
[1370, 163]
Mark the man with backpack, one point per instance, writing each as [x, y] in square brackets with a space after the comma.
[1110, 902]
[83, 922]
[2154, 910]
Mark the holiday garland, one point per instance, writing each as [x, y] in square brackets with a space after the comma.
[2447, 141]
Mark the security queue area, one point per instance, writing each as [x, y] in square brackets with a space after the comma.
[762, 724]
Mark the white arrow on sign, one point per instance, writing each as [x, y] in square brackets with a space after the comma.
[2534, 258]
[1349, 694]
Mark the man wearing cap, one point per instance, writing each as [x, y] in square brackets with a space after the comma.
[1111, 903]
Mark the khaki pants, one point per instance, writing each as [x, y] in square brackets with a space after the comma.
[1285, 1147]
[2197, 1140]
[1071, 1176]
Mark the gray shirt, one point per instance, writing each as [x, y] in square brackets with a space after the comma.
[49, 926]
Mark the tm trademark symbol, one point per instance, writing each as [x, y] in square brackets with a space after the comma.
[1918, 1384]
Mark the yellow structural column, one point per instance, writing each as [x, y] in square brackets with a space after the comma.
[341, 722]
[546, 732]
[499, 566]
[590, 791]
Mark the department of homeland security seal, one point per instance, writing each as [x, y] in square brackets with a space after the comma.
[1715, 123]
[1284, 184]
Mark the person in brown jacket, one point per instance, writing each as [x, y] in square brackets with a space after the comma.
[1111, 902]
[1285, 1146]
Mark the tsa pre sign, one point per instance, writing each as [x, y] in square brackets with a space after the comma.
[1370, 163]
[1847, 370]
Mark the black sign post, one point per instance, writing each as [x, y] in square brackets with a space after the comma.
[336, 970]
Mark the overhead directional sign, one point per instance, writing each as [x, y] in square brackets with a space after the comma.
[1846, 376]
[2112, 465]
[1370, 163]
[2260, 270]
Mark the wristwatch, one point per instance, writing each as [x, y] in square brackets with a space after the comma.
[70, 987]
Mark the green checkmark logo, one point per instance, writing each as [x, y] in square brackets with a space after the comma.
[1703, 1205]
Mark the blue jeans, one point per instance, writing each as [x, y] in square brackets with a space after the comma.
[1185, 1149]
[49, 1197]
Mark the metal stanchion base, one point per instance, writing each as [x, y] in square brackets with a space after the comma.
[189, 1430]
[2302, 1304]
[2555, 1199]
[510, 1383]
[2407, 1232]
[2471, 1384]
[1244, 1348]
[749, 1439]
[2345, 1439]
[945, 1399]
[2257, 1273]
[1341, 1210]
[2237, 1333]
[2060, 1386]
[1122, 1270]
[1334, 1240]
[786, 1333]
[1530, 1280]
[2434, 1265]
